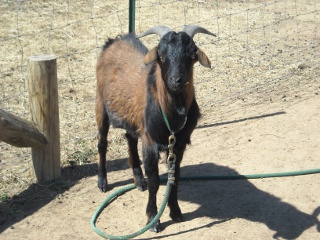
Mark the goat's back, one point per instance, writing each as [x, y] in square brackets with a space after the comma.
[121, 82]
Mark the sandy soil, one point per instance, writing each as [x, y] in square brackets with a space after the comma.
[279, 136]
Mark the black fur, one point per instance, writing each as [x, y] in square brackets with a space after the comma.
[108, 43]
[127, 38]
[177, 52]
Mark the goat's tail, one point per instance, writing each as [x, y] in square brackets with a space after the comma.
[108, 43]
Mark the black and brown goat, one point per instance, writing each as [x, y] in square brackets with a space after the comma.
[134, 87]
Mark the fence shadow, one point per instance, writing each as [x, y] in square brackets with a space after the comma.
[231, 199]
[38, 195]
[241, 120]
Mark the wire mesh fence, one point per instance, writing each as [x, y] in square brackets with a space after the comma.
[259, 45]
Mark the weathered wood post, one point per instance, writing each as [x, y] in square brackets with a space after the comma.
[43, 98]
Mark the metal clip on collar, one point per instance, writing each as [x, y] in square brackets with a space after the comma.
[171, 160]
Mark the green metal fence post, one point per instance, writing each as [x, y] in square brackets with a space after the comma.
[132, 9]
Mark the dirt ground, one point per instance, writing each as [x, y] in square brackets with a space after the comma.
[260, 104]
[279, 136]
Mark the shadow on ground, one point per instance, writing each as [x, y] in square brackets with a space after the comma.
[223, 200]
[241, 120]
[39, 194]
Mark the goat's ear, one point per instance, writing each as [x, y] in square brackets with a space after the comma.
[151, 56]
[203, 59]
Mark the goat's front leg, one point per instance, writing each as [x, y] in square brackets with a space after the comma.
[151, 157]
[175, 212]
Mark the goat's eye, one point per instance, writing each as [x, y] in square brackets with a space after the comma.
[194, 56]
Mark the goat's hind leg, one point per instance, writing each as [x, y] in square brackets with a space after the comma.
[103, 127]
[134, 162]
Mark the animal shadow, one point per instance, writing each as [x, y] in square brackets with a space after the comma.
[230, 199]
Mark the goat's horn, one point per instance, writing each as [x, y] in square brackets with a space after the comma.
[192, 30]
[159, 30]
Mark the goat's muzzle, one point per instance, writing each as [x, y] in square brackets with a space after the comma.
[176, 83]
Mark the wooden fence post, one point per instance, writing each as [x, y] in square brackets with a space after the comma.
[43, 98]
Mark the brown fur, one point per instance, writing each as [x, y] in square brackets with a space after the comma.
[112, 73]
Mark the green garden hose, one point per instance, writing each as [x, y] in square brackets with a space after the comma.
[115, 195]
[121, 191]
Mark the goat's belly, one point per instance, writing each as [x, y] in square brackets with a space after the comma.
[119, 122]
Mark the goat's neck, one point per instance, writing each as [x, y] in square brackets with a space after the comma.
[177, 111]
[175, 106]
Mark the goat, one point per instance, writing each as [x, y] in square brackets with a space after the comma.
[134, 87]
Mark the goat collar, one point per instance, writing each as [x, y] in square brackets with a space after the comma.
[168, 125]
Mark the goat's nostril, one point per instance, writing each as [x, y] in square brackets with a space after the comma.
[176, 80]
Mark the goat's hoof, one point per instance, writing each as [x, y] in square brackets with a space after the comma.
[176, 216]
[156, 227]
[141, 184]
[102, 184]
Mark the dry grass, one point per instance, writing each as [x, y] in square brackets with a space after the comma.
[261, 47]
